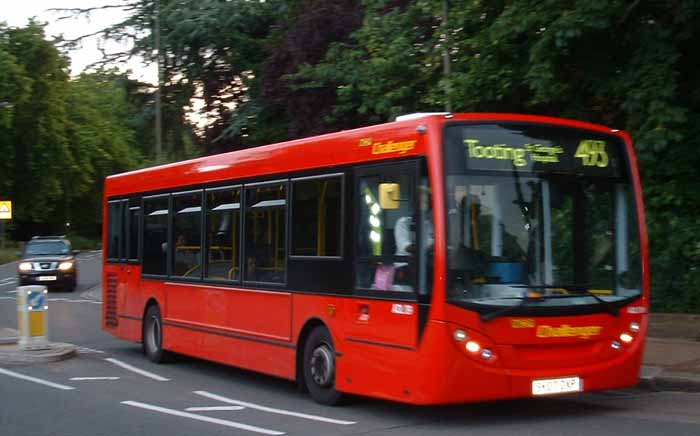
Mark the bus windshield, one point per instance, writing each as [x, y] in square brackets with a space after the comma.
[539, 211]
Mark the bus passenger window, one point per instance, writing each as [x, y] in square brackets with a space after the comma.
[316, 217]
[155, 235]
[223, 234]
[114, 230]
[187, 218]
[133, 232]
[265, 233]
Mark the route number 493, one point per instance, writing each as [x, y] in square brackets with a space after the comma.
[592, 153]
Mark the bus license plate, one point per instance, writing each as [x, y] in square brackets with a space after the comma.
[556, 386]
[47, 278]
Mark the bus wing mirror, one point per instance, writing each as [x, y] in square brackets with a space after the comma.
[389, 195]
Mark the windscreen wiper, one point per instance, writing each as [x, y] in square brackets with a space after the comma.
[576, 290]
[490, 316]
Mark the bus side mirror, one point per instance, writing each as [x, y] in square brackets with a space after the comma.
[389, 195]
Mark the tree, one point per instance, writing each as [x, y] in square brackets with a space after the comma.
[101, 141]
[59, 138]
[35, 134]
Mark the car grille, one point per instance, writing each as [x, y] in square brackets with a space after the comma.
[44, 266]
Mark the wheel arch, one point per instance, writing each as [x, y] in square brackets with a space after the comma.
[152, 301]
[309, 326]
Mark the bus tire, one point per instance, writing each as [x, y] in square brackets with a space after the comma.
[319, 367]
[153, 336]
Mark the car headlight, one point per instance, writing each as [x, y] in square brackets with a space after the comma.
[65, 266]
[25, 266]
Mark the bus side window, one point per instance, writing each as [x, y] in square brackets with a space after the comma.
[223, 233]
[115, 234]
[265, 233]
[386, 237]
[316, 217]
[155, 234]
[187, 234]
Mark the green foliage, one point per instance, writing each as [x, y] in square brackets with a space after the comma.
[8, 254]
[79, 242]
[59, 138]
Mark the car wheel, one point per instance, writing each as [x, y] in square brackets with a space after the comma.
[319, 367]
[153, 336]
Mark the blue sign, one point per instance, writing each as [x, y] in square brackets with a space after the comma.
[36, 300]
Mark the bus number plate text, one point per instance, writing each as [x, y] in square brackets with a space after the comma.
[556, 386]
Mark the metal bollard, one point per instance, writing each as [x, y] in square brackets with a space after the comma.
[32, 317]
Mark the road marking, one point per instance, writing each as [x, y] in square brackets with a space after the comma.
[86, 350]
[136, 370]
[57, 300]
[9, 280]
[73, 300]
[35, 380]
[93, 378]
[213, 408]
[218, 421]
[272, 410]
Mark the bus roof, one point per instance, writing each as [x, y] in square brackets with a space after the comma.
[402, 137]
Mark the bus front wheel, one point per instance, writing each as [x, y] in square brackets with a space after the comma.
[319, 367]
[153, 336]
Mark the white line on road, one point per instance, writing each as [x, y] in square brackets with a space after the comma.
[136, 370]
[72, 300]
[35, 380]
[213, 408]
[8, 280]
[93, 378]
[223, 422]
[272, 410]
[86, 350]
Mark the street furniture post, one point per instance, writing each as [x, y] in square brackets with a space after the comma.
[32, 317]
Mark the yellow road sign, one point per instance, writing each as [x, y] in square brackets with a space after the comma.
[5, 210]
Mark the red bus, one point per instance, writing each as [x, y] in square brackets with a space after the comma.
[440, 258]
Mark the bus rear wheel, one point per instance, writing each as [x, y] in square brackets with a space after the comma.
[153, 336]
[319, 367]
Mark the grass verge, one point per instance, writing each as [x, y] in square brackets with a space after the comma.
[8, 254]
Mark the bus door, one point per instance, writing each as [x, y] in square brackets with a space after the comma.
[387, 268]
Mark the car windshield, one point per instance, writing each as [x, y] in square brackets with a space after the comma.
[47, 248]
[532, 211]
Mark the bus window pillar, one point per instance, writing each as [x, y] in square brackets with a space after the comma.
[547, 232]
[496, 224]
[621, 233]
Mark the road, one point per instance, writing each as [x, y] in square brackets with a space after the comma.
[110, 389]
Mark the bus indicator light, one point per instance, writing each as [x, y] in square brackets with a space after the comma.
[460, 335]
[634, 327]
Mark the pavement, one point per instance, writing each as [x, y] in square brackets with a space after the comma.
[671, 353]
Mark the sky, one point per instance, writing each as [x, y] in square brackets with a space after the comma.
[16, 13]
